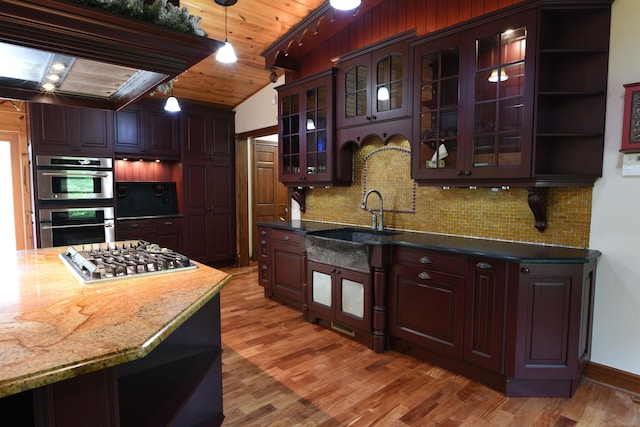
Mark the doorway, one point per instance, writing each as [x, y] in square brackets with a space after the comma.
[15, 216]
[260, 196]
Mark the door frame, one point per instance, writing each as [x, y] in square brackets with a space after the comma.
[245, 164]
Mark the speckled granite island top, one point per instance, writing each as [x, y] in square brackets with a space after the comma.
[54, 327]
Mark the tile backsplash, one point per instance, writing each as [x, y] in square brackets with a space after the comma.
[482, 213]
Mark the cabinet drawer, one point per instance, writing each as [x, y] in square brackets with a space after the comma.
[286, 236]
[431, 260]
[167, 225]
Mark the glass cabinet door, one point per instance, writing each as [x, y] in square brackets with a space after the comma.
[316, 128]
[388, 89]
[438, 77]
[306, 127]
[356, 101]
[499, 83]
[290, 134]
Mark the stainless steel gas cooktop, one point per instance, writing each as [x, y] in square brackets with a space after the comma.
[97, 262]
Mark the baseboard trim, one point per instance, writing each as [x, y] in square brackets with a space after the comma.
[613, 377]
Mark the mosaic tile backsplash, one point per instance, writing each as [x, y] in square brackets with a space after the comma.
[482, 213]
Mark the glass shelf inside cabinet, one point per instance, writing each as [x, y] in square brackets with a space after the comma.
[439, 93]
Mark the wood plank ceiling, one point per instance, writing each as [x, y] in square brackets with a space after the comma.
[253, 26]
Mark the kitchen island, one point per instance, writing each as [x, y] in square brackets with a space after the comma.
[136, 351]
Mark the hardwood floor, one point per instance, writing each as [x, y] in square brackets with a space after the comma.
[281, 371]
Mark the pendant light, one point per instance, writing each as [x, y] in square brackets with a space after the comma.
[344, 4]
[172, 105]
[226, 54]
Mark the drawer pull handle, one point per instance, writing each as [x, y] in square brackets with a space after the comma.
[484, 265]
[286, 237]
[425, 260]
[168, 223]
[263, 242]
[264, 267]
[135, 225]
[263, 232]
[424, 275]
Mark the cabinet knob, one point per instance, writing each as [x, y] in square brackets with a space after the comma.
[459, 173]
[263, 242]
[264, 267]
[425, 260]
[374, 118]
[424, 275]
[168, 223]
[484, 265]
[467, 173]
[263, 232]
[286, 238]
[524, 270]
[135, 225]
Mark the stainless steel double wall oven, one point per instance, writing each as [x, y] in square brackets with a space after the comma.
[75, 200]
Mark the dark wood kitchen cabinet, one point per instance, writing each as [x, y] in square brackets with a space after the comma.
[373, 89]
[515, 99]
[208, 175]
[548, 330]
[340, 299]
[306, 147]
[282, 260]
[146, 130]
[264, 258]
[166, 232]
[474, 111]
[426, 300]
[73, 131]
[484, 313]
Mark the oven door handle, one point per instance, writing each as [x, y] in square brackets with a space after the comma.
[94, 224]
[78, 173]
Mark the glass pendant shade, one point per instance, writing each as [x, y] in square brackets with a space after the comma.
[226, 54]
[383, 93]
[344, 4]
[172, 104]
[493, 78]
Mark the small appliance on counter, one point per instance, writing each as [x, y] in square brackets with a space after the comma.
[140, 199]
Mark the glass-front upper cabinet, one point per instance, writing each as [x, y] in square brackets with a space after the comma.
[473, 96]
[306, 129]
[437, 107]
[498, 138]
[372, 86]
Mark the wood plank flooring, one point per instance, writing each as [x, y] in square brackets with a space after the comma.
[281, 371]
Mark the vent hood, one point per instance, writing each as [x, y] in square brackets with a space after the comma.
[111, 60]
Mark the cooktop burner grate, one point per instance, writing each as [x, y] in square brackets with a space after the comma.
[105, 261]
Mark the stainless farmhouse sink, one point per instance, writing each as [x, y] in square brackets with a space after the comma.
[344, 247]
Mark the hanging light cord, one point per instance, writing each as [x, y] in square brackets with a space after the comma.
[226, 39]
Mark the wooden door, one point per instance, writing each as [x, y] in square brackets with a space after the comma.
[270, 197]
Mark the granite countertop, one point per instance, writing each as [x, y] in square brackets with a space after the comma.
[54, 327]
[509, 251]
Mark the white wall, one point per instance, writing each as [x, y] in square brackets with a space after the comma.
[259, 111]
[615, 223]
[615, 228]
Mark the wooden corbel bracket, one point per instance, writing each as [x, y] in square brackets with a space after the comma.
[538, 204]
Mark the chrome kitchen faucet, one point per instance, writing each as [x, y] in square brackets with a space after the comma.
[379, 223]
